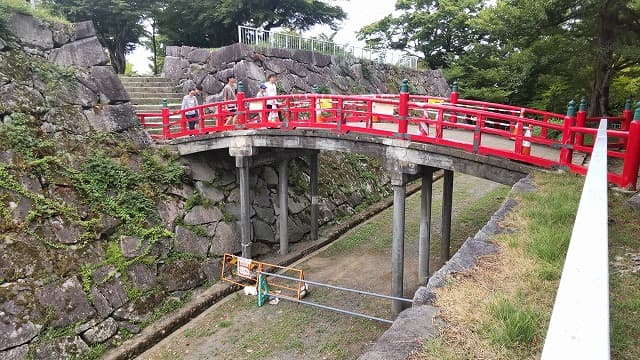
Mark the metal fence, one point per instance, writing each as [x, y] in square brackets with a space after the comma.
[257, 37]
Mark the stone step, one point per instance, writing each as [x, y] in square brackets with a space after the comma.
[172, 87]
[158, 101]
[153, 89]
[155, 108]
[145, 79]
[147, 94]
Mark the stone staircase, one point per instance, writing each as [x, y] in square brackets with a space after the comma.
[147, 93]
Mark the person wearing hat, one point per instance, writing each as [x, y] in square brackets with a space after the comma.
[262, 92]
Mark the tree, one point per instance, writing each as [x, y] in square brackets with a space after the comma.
[118, 23]
[214, 23]
[436, 29]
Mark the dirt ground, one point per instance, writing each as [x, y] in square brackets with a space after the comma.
[237, 328]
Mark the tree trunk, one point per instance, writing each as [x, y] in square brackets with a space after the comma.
[603, 62]
[118, 60]
[154, 47]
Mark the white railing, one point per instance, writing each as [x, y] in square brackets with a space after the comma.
[579, 327]
[257, 37]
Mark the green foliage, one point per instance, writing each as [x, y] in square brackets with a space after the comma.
[216, 23]
[513, 325]
[157, 172]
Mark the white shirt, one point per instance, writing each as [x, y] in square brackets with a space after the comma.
[271, 91]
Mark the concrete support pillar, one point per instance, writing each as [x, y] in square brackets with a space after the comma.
[242, 164]
[445, 228]
[397, 248]
[424, 241]
[284, 213]
[314, 194]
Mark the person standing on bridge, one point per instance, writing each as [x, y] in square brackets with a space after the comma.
[229, 93]
[272, 90]
[189, 101]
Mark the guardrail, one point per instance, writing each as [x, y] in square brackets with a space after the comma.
[579, 327]
[529, 129]
[258, 37]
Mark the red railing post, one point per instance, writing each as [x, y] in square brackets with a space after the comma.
[403, 108]
[242, 115]
[165, 119]
[453, 99]
[314, 105]
[566, 152]
[580, 121]
[632, 153]
[627, 115]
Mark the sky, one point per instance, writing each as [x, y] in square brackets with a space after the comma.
[359, 14]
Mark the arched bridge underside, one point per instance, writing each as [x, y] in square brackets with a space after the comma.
[399, 156]
[403, 159]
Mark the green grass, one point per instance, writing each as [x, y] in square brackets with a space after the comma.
[513, 325]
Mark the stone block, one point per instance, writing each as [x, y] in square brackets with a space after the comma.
[229, 54]
[175, 68]
[109, 295]
[181, 275]
[112, 118]
[16, 98]
[211, 269]
[634, 201]
[109, 85]
[62, 230]
[82, 53]
[270, 176]
[143, 276]
[263, 231]
[266, 214]
[61, 34]
[68, 347]
[211, 84]
[173, 51]
[17, 353]
[72, 94]
[31, 32]
[200, 215]
[248, 70]
[169, 210]
[15, 332]
[132, 246]
[139, 310]
[67, 300]
[213, 194]
[189, 242]
[199, 56]
[101, 332]
[227, 239]
[84, 29]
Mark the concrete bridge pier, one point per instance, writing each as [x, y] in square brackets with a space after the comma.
[283, 186]
[242, 165]
[313, 193]
[424, 240]
[445, 227]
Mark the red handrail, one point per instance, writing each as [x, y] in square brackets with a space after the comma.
[357, 113]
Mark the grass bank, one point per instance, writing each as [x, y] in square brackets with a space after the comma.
[501, 308]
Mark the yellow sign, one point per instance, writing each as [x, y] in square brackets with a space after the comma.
[326, 104]
[435, 101]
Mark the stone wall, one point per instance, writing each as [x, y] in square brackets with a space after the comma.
[100, 232]
[296, 70]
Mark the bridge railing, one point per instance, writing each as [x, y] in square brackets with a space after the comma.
[264, 38]
[421, 119]
[579, 323]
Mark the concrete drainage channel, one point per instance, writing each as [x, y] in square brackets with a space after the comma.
[399, 341]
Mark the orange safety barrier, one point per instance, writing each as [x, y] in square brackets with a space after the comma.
[244, 272]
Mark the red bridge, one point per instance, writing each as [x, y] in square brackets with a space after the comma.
[535, 137]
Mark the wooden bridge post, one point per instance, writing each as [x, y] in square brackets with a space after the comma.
[447, 206]
[403, 109]
[284, 207]
[424, 241]
[398, 181]
[566, 152]
[313, 160]
[581, 119]
[632, 154]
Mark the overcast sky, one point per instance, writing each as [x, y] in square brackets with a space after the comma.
[359, 14]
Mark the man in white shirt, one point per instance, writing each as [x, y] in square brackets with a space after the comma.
[189, 101]
[272, 91]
